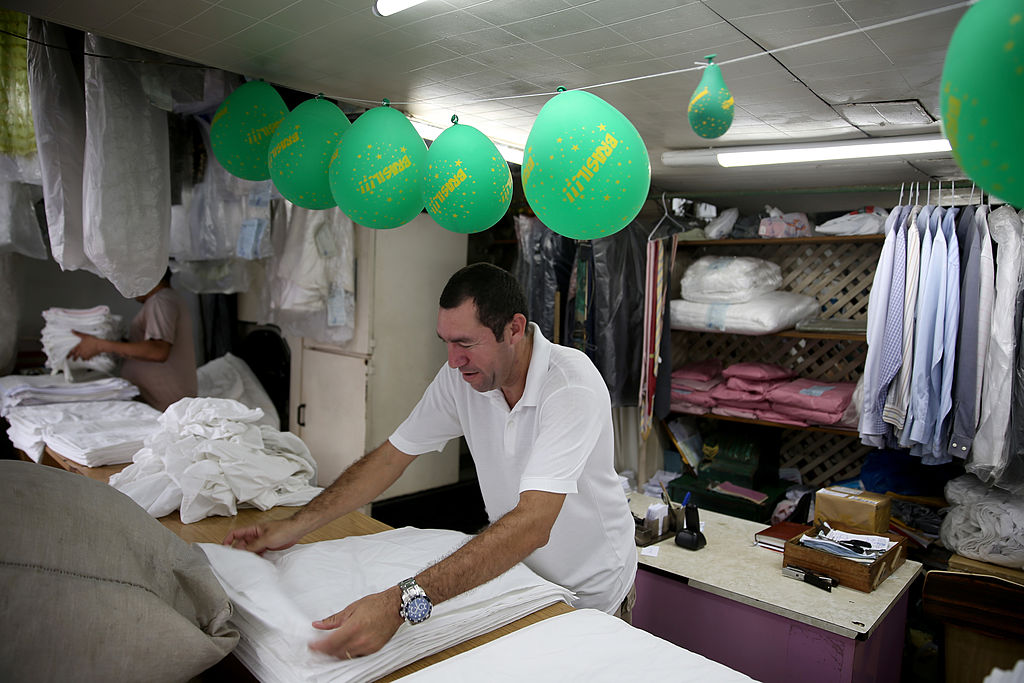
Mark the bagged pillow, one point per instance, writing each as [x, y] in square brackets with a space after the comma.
[729, 279]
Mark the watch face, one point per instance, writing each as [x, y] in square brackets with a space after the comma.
[417, 610]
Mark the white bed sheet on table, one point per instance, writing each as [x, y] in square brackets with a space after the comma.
[279, 595]
[583, 645]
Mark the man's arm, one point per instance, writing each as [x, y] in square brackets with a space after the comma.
[366, 625]
[363, 481]
[155, 350]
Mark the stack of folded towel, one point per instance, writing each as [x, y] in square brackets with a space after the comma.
[58, 338]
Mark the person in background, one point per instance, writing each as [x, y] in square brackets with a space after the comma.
[159, 356]
[537, 418]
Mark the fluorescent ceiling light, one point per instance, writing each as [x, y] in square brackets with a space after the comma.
[385, 8]
[429, 131]
[809, 152]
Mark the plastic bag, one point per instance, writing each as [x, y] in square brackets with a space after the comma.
[58, 113]
[19, 228]
[127, 172]
[729, 279]
[720, 227]
[779, 224]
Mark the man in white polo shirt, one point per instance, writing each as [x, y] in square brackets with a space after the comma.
[537, 418]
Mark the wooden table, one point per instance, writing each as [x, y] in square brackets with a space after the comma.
[214, 529]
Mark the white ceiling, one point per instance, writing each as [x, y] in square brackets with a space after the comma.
[449, 57]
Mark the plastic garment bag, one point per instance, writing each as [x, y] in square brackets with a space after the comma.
[618, 310]
[58, 112]
[1011, 478]
[312, 281]
[127, 172]
[9, 313]
[19, 228]
[542, 267]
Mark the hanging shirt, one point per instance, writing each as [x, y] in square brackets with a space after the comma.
[892, 344]
[951, 320]
[986, 299]
[917, 406]
[963, 416]
[989, 453]
[896, 401]
[870, 425]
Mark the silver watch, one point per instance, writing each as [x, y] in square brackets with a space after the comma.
[416, 605]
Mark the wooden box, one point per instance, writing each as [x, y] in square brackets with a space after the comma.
[862, 577]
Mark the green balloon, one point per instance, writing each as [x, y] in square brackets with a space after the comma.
[377, 170]
[982, 97]
[711, 105]
[586, 172]
[242, 127]
[300, 153]
[467, 187]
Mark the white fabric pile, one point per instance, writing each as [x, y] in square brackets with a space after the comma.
[209, 456]
[603, 649]
[92, 433]
[867, 221]
[279, 595]
[58, 339]
[33, 390]
[984, 523]
[737, 294]
[230, 377]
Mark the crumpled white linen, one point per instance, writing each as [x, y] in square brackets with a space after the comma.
[278, 595]
[209, 456]
[58, 339]
[603, 649]
[984, 523]
[32, 390]
[33, 427]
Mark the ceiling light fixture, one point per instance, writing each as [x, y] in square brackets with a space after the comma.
[729, 157]
[385, 8]
[430, 131]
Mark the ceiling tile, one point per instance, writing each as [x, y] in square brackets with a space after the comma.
[500, 13]
[135, 30]
[218, 23]
[585, 41]
[610, 12]
[448, 71]
[259, 37]
[257, 9]
[178, 42]
[453, 23]
[171, 13]
[677, 20]
[88, 16]
[305, 15]
[554, 25]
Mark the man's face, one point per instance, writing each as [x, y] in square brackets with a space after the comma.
[484, 362]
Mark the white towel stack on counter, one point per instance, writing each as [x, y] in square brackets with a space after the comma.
[33, 390]
[209, 456]
[91, 433]
[58, 338]
[277, 596]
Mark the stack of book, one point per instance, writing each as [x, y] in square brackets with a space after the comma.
[775, 536]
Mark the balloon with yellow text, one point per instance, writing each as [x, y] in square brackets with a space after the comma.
[586, 172]
[300, 152]
[467, 187]
[982, 97]
[242, 127]
[377, 170]
[711, 105]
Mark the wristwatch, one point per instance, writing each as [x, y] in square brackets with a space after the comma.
[416, 605]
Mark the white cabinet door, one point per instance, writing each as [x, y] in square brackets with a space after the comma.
[330, 415]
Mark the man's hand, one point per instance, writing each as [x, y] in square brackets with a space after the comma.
[276, 535]
[87, 348]
[363, 627]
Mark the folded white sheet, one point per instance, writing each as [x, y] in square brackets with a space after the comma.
[32, 427]
[279, 595]
[583, 645]
[31, 390]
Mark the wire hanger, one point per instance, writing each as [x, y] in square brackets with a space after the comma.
[971, 200]
[900, 202]
[668, 215]
[952, 193]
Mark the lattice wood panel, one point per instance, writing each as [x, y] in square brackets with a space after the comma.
[830, 360]
[821, 457]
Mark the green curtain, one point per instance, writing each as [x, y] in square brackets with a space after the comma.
[17, 134]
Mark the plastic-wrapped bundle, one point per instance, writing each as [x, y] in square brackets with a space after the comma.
[867, 221]
[729, 279]
[766, 314]
[984, 524]
[721, 226]
[58, 338]
[127, 171]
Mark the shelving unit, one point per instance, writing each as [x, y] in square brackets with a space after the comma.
[837, 271]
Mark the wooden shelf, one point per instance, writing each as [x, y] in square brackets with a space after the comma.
[770, 241]
[791, 333]
[780, 425]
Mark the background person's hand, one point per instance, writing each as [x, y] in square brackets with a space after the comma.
[362, 628]
[88, 347]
